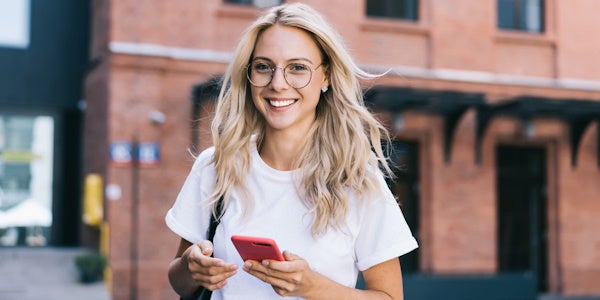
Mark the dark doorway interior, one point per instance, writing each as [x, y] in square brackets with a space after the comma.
[405, 186]
[522, 212]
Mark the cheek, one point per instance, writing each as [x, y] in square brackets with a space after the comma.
[255, 94]
[313, 92]
[312, 96]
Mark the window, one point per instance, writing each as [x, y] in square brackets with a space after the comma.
[257, 3]
[14, 23]
[398, 9]
[524, 15]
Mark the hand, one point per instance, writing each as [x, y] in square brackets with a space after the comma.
[209, 272]
[292, 277]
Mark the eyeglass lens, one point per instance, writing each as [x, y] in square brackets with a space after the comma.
[260, 73]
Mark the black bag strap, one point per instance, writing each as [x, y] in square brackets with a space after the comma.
[214, 222]
[202, 293]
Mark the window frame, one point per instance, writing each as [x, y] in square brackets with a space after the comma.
[255, 3]
[519, 17]
[378, 8]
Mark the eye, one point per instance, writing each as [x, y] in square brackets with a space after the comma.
[261, 67]
[297, 68]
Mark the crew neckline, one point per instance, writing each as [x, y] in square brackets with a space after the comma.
[275, 174]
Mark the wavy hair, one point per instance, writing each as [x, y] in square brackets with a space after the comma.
[345, 152]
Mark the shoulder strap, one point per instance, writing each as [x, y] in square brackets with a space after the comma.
[214, 222]
[202, 293]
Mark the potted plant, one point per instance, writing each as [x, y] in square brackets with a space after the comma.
[90, 266]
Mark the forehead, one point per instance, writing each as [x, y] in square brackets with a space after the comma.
[282, 43]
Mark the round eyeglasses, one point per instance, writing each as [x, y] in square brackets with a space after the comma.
[297, 75]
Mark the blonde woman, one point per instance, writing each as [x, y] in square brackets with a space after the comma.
[296, 158]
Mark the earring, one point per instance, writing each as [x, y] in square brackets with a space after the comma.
[324, 89]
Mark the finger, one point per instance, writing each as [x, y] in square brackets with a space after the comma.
[201, 254]
[211, 266]
[274, 267]
[257, 271]
[281, 286]
[206, 265]
[262, 271]
[290, 256]
[213, 276]
[292, 263]
[214, 287]
[206, 247]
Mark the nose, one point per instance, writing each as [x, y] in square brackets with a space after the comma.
[278, 82]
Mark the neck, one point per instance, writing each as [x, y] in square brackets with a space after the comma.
[280, 149]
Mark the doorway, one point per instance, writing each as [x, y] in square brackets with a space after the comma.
[405, 186]
[522, 213]
[26, 179]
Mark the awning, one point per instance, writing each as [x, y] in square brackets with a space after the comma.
[451, 105]
[578, 114]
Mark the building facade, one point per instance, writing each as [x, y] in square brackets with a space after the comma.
[43, 59]
[493, 106]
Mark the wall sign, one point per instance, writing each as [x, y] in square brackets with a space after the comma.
[121, 153]
[148, 154]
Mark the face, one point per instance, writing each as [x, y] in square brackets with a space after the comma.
[285, 107]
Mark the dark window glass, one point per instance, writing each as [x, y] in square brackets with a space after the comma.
[257, 3]
[398, 9]
[524, 15]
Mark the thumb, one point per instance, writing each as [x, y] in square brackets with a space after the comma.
[206, 247]
[290, 256]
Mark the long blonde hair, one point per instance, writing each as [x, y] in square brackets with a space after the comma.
[344, 155]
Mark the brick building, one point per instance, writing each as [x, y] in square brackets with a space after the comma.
[494, 107]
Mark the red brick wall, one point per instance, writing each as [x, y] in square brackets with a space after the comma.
[458, 198]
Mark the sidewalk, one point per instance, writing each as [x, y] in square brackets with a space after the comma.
[44, 273]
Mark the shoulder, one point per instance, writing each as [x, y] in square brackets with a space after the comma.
[203, 170]
[204, 159]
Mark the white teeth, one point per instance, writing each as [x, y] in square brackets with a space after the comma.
[281, 103]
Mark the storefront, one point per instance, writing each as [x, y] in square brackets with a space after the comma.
[43, 58]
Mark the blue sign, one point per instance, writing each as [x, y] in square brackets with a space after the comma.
[120, 153]
[148, 154]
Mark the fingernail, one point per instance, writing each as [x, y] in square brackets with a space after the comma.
[265, 262]
[247, 266]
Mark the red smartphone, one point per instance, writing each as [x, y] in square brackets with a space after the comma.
[256, 248]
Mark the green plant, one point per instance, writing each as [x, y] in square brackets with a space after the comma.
[91, 267]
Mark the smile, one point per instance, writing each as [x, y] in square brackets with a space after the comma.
[281, 103]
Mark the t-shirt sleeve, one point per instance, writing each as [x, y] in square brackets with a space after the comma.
[384, 233]
[189, 216]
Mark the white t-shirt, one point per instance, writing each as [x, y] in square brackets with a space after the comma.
[376, 230]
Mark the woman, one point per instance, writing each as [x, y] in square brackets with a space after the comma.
[296, 158]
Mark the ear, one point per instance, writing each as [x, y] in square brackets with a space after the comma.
[326, 77]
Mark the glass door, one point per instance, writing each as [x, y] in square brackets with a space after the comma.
[26, 168]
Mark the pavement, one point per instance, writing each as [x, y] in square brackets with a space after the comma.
[44, 273]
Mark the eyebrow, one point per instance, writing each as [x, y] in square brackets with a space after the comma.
[289, 60]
